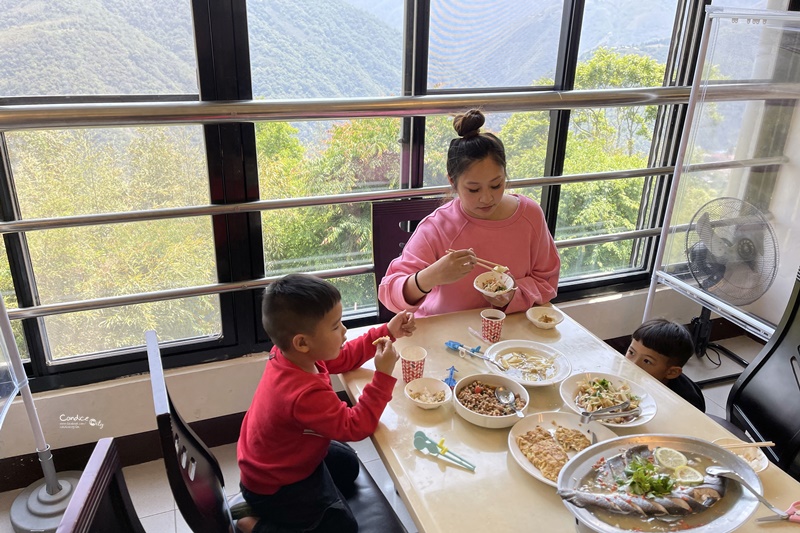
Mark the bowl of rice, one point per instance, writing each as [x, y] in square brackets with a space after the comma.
[428, 393]
[493, 283]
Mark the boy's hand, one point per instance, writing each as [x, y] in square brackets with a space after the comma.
[402, 324]
[385, 357]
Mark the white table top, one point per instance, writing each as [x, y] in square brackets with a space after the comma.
[500, 494]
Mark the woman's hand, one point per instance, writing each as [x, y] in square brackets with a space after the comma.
[504, 299]
[452, 266]
[402, 324]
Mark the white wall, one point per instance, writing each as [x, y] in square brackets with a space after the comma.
[125, 406]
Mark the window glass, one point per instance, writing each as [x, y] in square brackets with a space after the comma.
[99, 261]
[316, 238]
[62, 47]
[102, 330]
[597, 259]
[641, 29]
[615, 53]
[524, 136]
[325, 49]
[492, 43]
[322, 238]
[323, 158]
[10, 301]
[89, 171]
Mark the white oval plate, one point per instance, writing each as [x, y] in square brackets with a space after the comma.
[549, 420]
[569, 390]
[498, 349]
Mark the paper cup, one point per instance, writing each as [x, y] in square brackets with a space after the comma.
[412, 360]
[492, 324]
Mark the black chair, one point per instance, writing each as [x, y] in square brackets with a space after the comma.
[194, 474]
[393, 222]
[196, 478]
[100, 502]
[765, 400]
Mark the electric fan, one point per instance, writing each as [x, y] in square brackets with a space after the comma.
[732, 253]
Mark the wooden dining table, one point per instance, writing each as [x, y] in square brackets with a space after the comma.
[499, 495]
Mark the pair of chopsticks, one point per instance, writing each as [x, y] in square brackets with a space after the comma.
[485, 263]
[736, 446]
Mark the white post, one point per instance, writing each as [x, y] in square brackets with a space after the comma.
[673, 191]
[42, 448]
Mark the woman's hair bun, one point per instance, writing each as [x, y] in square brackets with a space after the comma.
[469, 123]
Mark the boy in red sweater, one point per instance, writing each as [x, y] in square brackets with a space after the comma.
[293, 470]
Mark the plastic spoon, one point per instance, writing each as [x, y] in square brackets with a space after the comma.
[507, 397]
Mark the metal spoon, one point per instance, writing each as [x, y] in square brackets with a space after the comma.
[721, 471]
[507, 397]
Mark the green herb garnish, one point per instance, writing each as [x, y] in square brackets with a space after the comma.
[644, 479]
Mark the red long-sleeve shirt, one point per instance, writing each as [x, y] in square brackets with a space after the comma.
[295, 414]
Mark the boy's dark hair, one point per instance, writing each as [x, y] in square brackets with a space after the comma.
[472, 145]
[295, 304]
[670, 339]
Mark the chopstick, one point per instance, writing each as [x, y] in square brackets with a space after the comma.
[736, 446]
[485, 263]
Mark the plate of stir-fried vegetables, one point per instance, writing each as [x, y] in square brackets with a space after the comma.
[590, 391]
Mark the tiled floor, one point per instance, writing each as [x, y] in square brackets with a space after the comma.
[700, 369]
[153, 500]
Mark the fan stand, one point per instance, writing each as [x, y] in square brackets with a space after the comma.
[701, 335]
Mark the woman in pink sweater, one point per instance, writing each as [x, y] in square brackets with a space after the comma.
[482, 221]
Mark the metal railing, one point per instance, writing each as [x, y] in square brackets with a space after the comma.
[50, 116]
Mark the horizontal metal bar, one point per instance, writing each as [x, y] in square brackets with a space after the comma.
[52, 116]
[28, 117]
[608, 237]
[169, 294]
[34, 224]
[745, 320]
[219, 288]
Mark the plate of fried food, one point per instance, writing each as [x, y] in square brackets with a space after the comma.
[590, 391]
[532, 364]
[542, 443]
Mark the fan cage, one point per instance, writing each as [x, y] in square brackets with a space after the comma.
[742, 270]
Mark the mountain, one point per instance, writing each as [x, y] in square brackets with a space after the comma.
[94, 47]
[308, 48]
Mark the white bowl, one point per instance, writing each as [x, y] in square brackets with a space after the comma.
[756, 458]
[537, 314]
[432, 386]
[489, 421]
[485, 277]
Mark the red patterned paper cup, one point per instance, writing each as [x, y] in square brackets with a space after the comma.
[412, 361]
[492, 324]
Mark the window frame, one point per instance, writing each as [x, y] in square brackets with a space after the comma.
[225, 93]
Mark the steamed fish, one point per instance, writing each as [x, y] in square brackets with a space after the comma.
[635, 485]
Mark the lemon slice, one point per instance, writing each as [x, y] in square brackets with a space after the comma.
[669, 458]
[686, 475]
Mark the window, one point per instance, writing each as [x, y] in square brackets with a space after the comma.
[113, 226]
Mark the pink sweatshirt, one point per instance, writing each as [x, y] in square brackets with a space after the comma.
[521, 242]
